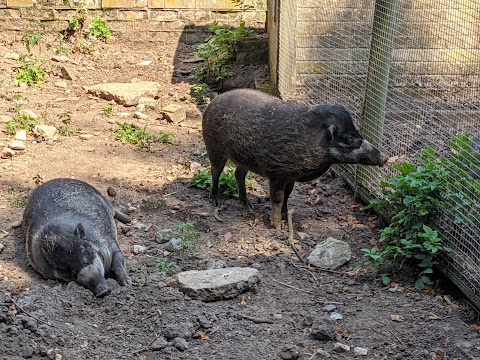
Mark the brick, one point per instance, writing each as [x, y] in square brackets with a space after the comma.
[180, 4]
[156, 4]
[210, 4]
[163, 15]
[19, 3]
[124, 4]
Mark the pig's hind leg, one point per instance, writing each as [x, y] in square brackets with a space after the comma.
[277, 196]
[217, 168]
[240, 175]
[119, 269]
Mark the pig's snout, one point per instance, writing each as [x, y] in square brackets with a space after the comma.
[102, 291]
[92, 277]
[383, 159]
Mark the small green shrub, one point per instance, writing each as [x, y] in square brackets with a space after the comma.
[29, 73]
[66, 118]
[107, 110]
[21, 122]
[199, 91]
[227, 183]
[131, 134]
[98, 29]
[163, 265]
[186, 233]
[218, 52]
[34, 38]
[413, 198]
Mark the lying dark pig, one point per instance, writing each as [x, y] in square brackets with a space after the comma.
[71, 235]
[282, 141]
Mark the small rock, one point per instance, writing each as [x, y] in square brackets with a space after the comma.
[195, 166]
[1, 247]
[68, 73]
[323, 328]
[217, 284]
[331, 254]
[85, 136]
[180, 343]
[139, 115]
[140, 107]
[322, 354]
[12, 56]
[28, 112]
[216, 264]
[16, 224]
[149, 102]
[163, 236]
[360, 351]
[340, 348]
[303, 235]
[179, 330]
[7, 153]
[61, 84]
[138, 225]
[5, 118]
[173, 245]
[289, 354]
[336, 316]
[46, 132]
[58, 357]
[159, 344]
[174, 113]
[60, 58]
[50, 142]
[123, 114]
[21, 135]
[139, 249]
[17, 145]
[329, 308]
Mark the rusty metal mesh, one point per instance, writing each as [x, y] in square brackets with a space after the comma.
[409, 73]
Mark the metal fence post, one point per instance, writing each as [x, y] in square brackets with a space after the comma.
[376, 90]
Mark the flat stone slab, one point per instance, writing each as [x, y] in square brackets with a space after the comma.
[331, 254]
[126, 94]
[217, 284]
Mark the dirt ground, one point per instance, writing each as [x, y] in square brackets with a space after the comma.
[152, 320]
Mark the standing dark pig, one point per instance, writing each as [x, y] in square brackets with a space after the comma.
[71, 235]
[282, 141]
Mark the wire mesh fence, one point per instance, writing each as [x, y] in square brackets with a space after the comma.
[409, 73]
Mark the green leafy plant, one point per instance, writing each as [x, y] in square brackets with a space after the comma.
[58, 48]
[218, 51]
[163, 265]
[34, 38]
[21, 122]
[98, 29]
[66, 118]
[131, 134]
[199, 91]
[227, 183]
[107, 110]
[413, 198]
[29, 73]
[186, 233]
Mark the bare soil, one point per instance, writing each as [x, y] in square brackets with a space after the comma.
[42, 318]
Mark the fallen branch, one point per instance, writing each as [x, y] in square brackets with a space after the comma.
[290, 236]
[216, 216]
[293, 287]
[304, 268]
[32, 316]
[254, 319]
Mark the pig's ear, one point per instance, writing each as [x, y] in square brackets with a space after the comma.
[79, 231]
[331, 131]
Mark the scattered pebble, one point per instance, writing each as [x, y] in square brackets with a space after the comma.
[5, 118]
[50, 142]
[58, 357]
[16, 224]
[323, 328]
[340, 348]
[61, 84]
[216, 264]
[17, 145]
[1, 247]
[12, 56]
[393, 289]
[140, 115]
[7, 153]
[173, 245]
[322, 353]
[162, 236]
[85, 136]
[336, 316]
[140, 107]
[60, 58]
[329, 308]
[159, 344]
[303, 235]
[139, 249]
[180, 343]
[21, 135]
[360, 351]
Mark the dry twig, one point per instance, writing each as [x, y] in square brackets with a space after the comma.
[293, 287]
[290, 236]
[254, 319]
[216, 216]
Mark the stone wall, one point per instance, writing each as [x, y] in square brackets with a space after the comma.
[138, 15]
